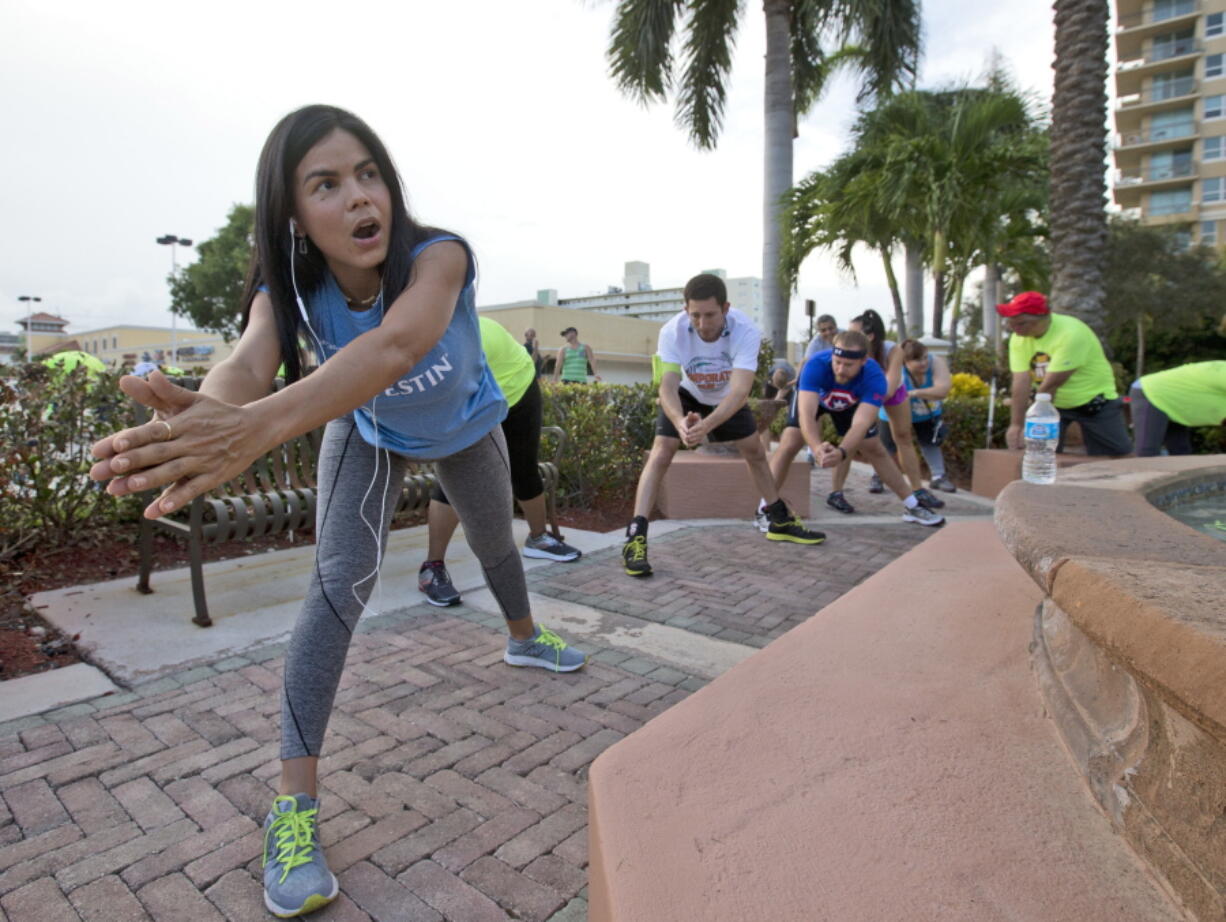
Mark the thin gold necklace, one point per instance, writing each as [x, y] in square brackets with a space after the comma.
[361, 302]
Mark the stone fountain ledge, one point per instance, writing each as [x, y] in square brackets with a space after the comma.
[1130, 652]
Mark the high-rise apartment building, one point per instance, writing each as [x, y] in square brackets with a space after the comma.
[1170, 152]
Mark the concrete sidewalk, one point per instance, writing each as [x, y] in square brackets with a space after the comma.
[453, 786]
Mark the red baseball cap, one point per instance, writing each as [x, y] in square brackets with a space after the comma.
[1028, 302]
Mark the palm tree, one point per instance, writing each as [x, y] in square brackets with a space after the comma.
[946, 168]
[836, 209]
[806, 40]
[1078, 150]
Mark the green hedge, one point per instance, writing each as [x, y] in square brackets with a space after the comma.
[609, 427]
[967, 419]
[48, 421]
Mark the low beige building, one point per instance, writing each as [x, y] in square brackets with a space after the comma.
[40, 331]
[623, 346]
[126, 344]
[187, 349]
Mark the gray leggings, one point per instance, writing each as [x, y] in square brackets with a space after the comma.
[923, 439]
[477, 480]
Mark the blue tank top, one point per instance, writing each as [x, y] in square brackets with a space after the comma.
[444, 403]
[921, 409]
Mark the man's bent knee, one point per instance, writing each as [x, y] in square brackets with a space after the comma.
[871, 449]
[750, 447]
[662, 450]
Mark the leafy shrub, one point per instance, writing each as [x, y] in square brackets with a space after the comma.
[766, 361]
[1209, 440]
[968, 385]
[967, 419]
[979, 361]
[609, 427]
[48, 420]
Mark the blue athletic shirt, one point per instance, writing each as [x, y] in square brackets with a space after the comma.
[444, 403]
[869, 386]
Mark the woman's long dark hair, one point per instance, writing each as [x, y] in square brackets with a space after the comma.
[287, 144]
[871, 323]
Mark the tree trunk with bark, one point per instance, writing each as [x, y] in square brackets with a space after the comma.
[938, 283]
[900, 320]
[779, 106]
[1141, 345]
[956, 314]
[1078, 152]
[991, 298]
[915, 290]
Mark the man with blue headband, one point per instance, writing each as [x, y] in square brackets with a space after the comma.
[849, 387]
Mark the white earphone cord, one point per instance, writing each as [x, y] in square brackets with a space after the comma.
[387, 474]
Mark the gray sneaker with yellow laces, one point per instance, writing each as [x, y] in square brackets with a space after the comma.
[296, 876]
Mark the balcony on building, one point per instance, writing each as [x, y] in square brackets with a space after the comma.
[1178, 54]
[1157, 97]
[1170, 206]
[1153, 137]
[1139, 20]
[1131, 184]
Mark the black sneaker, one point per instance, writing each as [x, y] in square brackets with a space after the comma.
[793, 530]
[929, 499]
[875, 485]
[434, 580]
[836, 501]
[634, 556]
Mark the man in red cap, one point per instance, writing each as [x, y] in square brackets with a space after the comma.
[1061, 356]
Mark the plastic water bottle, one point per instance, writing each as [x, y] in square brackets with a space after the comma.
[1041, 434]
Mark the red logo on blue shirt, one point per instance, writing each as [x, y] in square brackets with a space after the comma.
[838, 398]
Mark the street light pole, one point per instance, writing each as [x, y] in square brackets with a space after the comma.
[174, 242]
[31, 300]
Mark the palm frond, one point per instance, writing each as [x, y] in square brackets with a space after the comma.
[640, 47]
[702, 90]
[890, 35]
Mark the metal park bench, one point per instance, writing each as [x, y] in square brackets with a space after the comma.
[276, 495]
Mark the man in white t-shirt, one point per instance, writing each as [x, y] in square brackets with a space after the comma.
[708, 354]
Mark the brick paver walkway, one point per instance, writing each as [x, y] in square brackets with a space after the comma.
[730, 582]
[454, 787]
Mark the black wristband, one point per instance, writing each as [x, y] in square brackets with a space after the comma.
[844, 451]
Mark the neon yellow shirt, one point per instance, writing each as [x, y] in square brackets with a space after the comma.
[1068, 345]
[508, 360]
[1192, 395]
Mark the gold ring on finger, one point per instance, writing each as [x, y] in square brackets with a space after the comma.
[169, 432]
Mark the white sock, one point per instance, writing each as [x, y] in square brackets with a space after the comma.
[910, 502]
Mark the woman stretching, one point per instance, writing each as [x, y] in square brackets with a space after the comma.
[897, 408]
[386, 307]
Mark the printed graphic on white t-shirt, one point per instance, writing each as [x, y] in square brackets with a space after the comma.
[707, 367]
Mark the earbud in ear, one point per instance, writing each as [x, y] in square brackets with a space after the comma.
[293, 227]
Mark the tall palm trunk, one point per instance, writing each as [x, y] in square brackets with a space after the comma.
[990, 300]
[900, 321]
[938, 282]
[915, 290]
[1141, 345]
[778, 167]
[1078, 149]
[956, 315]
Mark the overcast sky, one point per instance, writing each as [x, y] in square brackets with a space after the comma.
[128, 120]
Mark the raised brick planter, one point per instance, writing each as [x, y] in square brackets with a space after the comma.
[702, 485]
